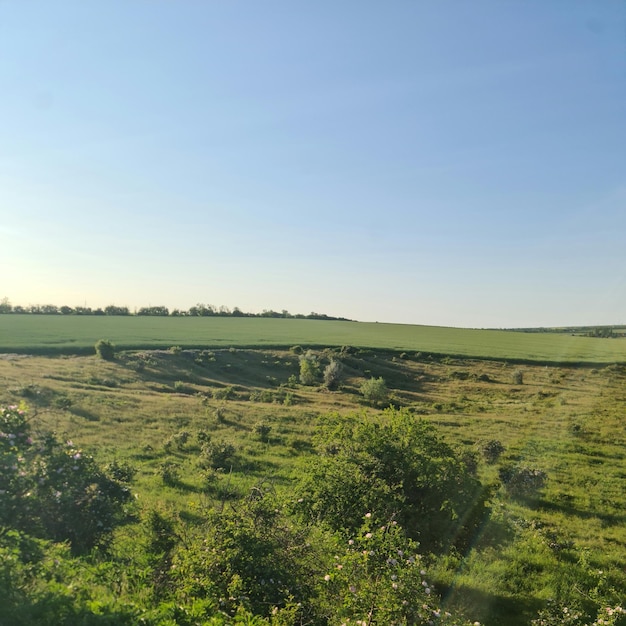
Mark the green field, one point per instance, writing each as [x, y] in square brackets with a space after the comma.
[75, 334]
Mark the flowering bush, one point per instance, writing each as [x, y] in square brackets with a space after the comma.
[379, 579]
[53, 489]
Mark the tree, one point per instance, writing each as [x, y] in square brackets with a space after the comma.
[375, 391]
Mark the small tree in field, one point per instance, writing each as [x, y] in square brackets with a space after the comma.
[309, 368]
[105, 349]
[332, 374]
[375, 391]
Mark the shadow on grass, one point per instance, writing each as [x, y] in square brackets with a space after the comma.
[90, 416]
[608, 519]
[490, 609]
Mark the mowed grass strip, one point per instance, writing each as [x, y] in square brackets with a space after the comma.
[73, 334]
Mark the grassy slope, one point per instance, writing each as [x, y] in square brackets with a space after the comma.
[66, 334]
[567, 421]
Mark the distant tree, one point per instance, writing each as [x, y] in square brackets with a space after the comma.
[50, 309]
[154, 311]
[116, 310]
[5, 306]
[66, 310]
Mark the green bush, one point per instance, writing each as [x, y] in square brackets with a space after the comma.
[309, 368]
[492, 450]
[54, 490]
[375, 391]
[252, 557]
[262, 430]
[522, 482]
[105, 349]
[392, 464]
[215, 455]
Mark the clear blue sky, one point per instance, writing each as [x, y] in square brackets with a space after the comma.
[439, 162]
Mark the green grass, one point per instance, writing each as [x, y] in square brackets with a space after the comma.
[564, 420]
[56, 334]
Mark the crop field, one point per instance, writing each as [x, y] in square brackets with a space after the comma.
[58, 334]
[563, 546]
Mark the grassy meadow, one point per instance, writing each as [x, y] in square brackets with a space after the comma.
[567, 543]
[58, 334]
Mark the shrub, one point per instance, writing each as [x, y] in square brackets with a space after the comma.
[224, 393]
[492, 451]
[309, 368]
[252, 556]
[375, 391]
[54, 490]
[181, 438]
[169, 473]
[105, 349]
[215, 455]
[522, 482]
[391, 464]
[518, 377]
[333, 374]
[262, 430]
[379, 574]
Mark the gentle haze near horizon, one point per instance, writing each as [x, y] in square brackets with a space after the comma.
[450, 163]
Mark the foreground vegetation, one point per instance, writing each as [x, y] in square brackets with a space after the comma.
[491, 492]
[63, 334]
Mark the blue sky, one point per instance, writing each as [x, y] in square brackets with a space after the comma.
[450, 163]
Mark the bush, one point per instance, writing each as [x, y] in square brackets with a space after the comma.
[105, 349]
[375, 391]
[391, 464]
[224, 393]
[54, 490]
[522, 482]
[518, 377]
[492, 451]
[333, 374]
[216, 455]
[169, 473]
[309, 368]
[252, 556]
[262, 430]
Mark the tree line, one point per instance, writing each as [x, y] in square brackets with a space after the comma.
[199, 310]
